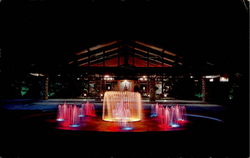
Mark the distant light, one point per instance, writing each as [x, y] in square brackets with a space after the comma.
[84, 94]
[224, 79]
[126, 82]
[78, 78]
[148, 95]
[101, 94]
[231, 97]
[143, 78]
[108, 78]
[211, 80]
[209, 63]
[60, 119]
[36, 74]
[143, 88]
[108, 87]
[191, 76]
[212, 76]
[165, 95]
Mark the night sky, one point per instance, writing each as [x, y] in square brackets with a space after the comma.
[42, 32]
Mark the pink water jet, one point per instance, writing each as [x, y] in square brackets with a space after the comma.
[164, 116]
[74, 119]
[123, 111]
[180, 112]
[173, 116]
[62, 112]
[71, 115]
[88, 109]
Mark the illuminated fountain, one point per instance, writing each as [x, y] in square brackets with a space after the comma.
[74, 119]
[71, 115]
[154, 109]
[163, 115]
[121, 111]
[173, 116]
[87, 109]
[62, 112]
[180, 113]
[122, 106]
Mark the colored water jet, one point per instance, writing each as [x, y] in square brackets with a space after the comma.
[154, 109]
[180, 112]
[62, 112]
[173, 116]
[74, 120]
[122, 106]
[164, 116]
[88, 109]
[70, 115]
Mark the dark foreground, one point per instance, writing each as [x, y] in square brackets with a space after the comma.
[21, 138]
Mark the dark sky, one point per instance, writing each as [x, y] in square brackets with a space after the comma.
[38, 31]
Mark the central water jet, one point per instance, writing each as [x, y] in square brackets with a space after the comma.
[122, 106]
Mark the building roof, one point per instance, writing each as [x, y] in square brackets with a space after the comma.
[126, 52]
[44, 35]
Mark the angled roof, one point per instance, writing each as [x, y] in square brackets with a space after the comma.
[125, 52]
